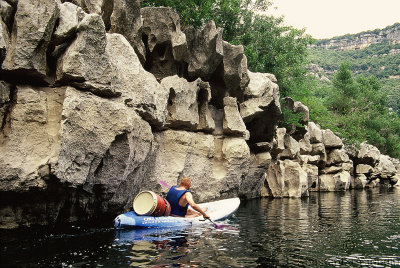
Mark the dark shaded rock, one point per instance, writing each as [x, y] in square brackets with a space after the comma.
[205, 50]
[126, 20]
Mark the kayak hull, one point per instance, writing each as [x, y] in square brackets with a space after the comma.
[217, 210]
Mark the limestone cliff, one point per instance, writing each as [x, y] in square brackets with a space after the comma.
[100, 101]
[390, 34]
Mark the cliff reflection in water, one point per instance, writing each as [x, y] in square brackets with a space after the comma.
[357, 228]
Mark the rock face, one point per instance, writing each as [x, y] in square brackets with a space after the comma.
[32, 29]
[205, 50]
[101, 99]
[390, 34]
[126, 20]
[166, 44]
[86, 51]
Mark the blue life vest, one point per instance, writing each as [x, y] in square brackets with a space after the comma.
[173, 197]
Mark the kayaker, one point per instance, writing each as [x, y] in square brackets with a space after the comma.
[180, 198]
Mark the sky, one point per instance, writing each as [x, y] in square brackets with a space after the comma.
[329, 18]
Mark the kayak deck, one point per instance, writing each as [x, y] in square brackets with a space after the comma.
[217, 210]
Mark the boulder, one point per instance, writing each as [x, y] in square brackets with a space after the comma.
[292, 148]
[32, 29]
[334, 182]
[312, 175]
[86, 140]
[261, 85]
[4, 41]
[76, 66]
[368, 154]
[31, 140]
[331, 141]
[70, 17]
[385, 167]
[305, 145]
[138, 88]
[260, 147]
[253, 183]
[235, 67]
[310, 159]
[260, 94]
[315, 133]
[337, 156]
[126, 20]
[359, 182]
[5, 93]
[286, 179]
[183, 108]
[205, 50]
[233, 123]
[349, 167]
[318, 149]
[332, 170]
[363, 169]
[302, 109]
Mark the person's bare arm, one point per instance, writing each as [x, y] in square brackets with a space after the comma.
[189, 199]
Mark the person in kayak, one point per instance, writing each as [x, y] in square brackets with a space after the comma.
[180, 198]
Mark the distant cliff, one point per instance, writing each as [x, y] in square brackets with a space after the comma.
[390, 34]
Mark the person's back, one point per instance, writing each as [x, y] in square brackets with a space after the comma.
[180, 198]
[173, 197]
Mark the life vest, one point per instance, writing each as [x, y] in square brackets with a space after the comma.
[173, 197]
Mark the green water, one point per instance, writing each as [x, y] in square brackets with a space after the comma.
[351, 229]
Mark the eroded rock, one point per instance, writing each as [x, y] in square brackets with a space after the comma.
[84, 139]
[368, 154]
[205, 50]
[233, 123]
[85, 63]
[315, 133]
[70, 17]
[126, 20]
[331, 141]
[334, 182]
[33, 26]
[236, 77]
[183, 108]
[138, 88]
[287, 179]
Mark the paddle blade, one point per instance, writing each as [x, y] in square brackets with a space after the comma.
[163, 183]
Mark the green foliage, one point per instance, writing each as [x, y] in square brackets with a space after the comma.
[275, 48]
[357, 110]
[377, 60]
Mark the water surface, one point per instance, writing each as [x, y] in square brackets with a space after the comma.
[353, 229]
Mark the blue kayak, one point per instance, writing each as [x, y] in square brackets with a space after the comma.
[217, 210]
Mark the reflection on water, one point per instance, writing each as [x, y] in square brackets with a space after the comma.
[359, 228]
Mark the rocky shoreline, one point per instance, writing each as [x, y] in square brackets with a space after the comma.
[100, 101]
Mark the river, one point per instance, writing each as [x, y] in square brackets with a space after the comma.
[354, 229]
